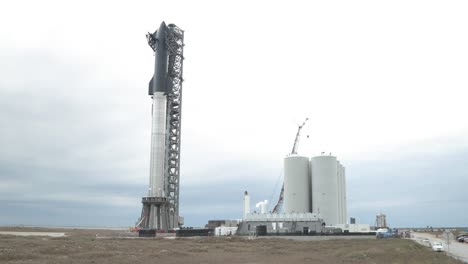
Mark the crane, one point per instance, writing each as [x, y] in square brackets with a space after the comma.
[279, 204]
[298, 135]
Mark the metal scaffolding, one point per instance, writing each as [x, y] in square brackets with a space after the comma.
[175, 47]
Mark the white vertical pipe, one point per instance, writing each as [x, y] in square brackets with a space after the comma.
[246, 204]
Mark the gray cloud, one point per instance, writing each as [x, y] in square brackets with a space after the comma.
[416, 190]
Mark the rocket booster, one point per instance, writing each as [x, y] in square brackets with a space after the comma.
[158, 145]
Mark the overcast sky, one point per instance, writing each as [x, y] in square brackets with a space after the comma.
[384, 84]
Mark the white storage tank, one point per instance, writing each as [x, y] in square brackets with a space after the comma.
[343, 194]
[345, 208]
[324, 179]
[296, 184]
[340, 194]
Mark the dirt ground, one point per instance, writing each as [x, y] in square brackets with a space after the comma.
[89, 246]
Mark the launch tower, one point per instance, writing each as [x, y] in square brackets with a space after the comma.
[161, 206]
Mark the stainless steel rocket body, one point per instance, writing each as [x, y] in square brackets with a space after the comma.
[158, 90]
[161, 206]
[158, 145]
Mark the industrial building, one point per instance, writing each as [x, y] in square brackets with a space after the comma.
[313, 197]
[281, 223]
[316, 185]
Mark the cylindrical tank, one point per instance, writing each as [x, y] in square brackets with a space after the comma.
[343, 193]
[296, 184]
[324, 179]
[345, 207]
[340, 193]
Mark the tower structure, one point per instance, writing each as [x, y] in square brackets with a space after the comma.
[161, 205]
[380, 221]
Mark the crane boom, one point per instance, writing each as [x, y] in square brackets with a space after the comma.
[298, 135]
[293, 151]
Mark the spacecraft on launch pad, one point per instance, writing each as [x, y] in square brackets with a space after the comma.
[161, 205]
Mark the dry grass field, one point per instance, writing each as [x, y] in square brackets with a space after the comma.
[82, 246]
